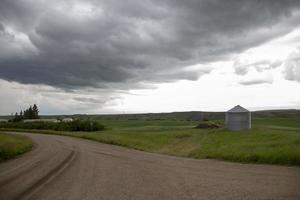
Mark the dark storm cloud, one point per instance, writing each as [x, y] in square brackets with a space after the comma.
[93, 100]
[1, 28]
[120, 44]
[242, 69]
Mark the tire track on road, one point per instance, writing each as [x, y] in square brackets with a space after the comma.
[38, 185]
[20, 174]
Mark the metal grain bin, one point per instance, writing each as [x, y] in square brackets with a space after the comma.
[238, 118]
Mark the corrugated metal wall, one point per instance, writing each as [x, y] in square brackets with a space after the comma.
[237, 121]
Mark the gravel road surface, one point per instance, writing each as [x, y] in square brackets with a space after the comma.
[71, 168]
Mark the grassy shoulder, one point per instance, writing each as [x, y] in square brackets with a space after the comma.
[259, 145]
[12, 145]
[262, 144]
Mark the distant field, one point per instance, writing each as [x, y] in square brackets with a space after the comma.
[272, 140]
[285, 122]
[13, 145]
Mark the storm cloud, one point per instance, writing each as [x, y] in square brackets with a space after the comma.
[124, 44]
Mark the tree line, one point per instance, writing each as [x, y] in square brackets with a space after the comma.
[75, 125]
[30, 113]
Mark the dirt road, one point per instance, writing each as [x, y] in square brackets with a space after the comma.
[71, 168]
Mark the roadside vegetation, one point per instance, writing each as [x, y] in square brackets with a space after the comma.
[258, 145]
[12, 145]
[30, 119]
[75, 125]
[274, 138]
[270, 141]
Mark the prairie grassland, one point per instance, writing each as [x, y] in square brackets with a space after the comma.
[270, 141]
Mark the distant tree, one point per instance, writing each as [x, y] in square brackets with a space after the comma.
[26, 114]
[16, 118]
[35, 111]
[31, 113]
[21, 115]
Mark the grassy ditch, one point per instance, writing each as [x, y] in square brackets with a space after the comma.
[12, 145]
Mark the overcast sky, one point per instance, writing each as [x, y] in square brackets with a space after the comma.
[131, 56]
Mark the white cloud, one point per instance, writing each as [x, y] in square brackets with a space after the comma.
[292, 66]
[217, 91]
[255, 77]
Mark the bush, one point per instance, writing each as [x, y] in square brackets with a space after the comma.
[76, 125]
[208, 125]
[85, 125]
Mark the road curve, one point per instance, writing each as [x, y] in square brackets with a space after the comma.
[71, 168]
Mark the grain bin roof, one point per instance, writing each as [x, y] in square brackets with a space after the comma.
[238, 109]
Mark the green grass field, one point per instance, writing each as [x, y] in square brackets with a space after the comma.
[12, 145]
[270, 141]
